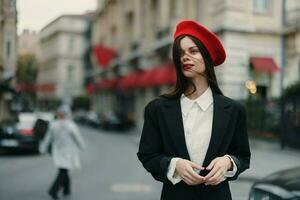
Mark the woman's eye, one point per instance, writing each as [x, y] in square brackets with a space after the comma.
[194, 51]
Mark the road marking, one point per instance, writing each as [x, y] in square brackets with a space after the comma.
[127, 187]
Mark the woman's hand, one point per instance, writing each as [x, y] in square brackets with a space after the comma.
[185, 169]
[218, 167]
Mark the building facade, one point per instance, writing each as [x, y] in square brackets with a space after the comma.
[261, 38]
[8, 51]
[63, 45]
[28, 43]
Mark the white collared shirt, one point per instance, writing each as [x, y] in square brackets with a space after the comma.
[197, 116]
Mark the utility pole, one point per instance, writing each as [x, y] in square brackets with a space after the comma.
[283, 63]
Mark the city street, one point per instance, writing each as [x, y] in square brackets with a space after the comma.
[114, 63]
[111, 170]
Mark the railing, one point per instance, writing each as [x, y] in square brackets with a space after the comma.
[263, 117]
[275, 119]
[290, 130]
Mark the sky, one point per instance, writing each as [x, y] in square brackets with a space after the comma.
[35, 14]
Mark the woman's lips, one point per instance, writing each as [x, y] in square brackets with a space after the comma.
[187, 66]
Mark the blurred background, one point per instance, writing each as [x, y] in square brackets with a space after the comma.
[108, 58]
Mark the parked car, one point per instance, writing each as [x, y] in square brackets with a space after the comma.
[117, 122]
[278, 186]
[26, 132]
[90, 118]
[93, 119]
[79, 116]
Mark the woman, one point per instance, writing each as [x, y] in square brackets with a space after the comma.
[64, 140]
[194, 139]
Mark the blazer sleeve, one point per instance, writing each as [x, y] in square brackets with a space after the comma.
[151, 147]
[239, 149]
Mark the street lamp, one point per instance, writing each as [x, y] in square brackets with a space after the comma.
[251, 86]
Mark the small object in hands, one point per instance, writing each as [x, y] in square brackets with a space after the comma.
[204, 172]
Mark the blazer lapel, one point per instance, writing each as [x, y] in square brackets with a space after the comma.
[172, 111]
[221, 117]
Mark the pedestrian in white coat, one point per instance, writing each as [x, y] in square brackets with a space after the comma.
[65, 141]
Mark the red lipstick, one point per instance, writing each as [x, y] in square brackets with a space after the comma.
[187, 66]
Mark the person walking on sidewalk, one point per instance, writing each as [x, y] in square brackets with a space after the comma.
[194, 139]
[64, 141]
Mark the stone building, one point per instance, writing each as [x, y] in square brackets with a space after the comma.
[8, 52]
[261, 38]
[63, 44]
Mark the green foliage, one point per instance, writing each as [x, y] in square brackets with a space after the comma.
[293, 89]
[263, 116]
[81, 103]
[27, 68]
[49, 104]
[9, 120]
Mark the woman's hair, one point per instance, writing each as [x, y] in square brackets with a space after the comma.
[182, 82]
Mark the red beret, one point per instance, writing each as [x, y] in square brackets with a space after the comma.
[206, 37]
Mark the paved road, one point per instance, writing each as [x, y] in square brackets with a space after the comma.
[110, 171]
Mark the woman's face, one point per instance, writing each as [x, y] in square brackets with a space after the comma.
[191, 59]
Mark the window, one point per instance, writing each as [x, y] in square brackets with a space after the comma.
[129, 28]
[71, 44]
[172, 10]
[70, 73]
[261, 6]
[113, 31]
[12, 3]
[129, 18]
[8, 48]
[154, 14]
[262, 92]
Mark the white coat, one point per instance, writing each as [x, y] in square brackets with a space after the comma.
[66, 141]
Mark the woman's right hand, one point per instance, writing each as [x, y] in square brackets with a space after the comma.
[186, 170]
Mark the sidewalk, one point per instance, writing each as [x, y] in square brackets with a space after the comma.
[267, 157]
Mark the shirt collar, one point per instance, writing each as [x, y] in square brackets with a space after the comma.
[204, 101]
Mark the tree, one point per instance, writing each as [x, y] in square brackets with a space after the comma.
[293, 90]
[26, 75]
[27, 68]
[81, 102]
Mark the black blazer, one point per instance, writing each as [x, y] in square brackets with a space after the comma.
[163, 138]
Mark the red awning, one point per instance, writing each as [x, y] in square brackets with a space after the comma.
[101, 84]
[147, 78]
[264, 64]
[90, 88]
[107, 83]
[104, 55]
[130, 81]
[165, 75]
[45, 88]
[123, 83]
[27, 87]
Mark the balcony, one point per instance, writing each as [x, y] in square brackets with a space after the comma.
[163, 39]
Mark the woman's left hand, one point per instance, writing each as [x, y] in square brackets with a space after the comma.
[218, 168]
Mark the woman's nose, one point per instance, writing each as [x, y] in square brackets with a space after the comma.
[185, 57]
